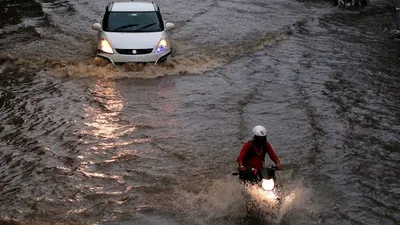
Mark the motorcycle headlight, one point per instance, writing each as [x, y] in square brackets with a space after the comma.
[268, 184]
[105, 46]
[162, 46]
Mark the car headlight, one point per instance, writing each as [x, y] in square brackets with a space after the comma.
[105, 46]
[162, 46]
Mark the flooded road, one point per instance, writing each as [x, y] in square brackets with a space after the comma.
[84, 142]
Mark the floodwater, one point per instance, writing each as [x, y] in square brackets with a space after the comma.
[84, 142]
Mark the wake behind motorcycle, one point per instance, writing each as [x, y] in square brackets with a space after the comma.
[266, 195]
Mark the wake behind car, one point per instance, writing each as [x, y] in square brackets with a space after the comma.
[133, 32]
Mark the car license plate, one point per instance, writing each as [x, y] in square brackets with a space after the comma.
[135, 58]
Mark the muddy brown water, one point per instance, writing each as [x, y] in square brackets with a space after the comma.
[84, 142]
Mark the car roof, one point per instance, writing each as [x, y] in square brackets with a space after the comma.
[132, 6]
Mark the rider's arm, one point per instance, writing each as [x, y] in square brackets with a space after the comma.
[243, 154]
[272, 155]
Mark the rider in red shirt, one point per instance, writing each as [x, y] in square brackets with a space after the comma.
[253, 152]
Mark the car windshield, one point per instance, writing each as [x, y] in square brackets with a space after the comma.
[133, 22]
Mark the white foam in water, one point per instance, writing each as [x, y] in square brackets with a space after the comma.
[223, 202]
[297, 199]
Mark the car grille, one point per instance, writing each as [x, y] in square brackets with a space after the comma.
[138, 51]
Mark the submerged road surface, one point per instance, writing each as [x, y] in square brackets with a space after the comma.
[84, 142]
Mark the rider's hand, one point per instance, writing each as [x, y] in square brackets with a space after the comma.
[279, 166]
[242, 168]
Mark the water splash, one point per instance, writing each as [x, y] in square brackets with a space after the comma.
[297, 202]
[224, 202]
[100, 68]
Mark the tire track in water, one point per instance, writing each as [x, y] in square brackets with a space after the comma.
[305, 64]
[317, 132]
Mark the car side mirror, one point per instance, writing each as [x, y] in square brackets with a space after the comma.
[169, 26]
[97, 26]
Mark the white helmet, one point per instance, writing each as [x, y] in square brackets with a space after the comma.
[259, 131]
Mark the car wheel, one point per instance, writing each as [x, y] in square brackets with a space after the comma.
[165, 60]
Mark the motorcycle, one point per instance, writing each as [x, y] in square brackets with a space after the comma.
[267, 195]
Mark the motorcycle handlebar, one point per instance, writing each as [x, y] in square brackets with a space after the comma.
[250, 170]
[274, 168]
[247, 171]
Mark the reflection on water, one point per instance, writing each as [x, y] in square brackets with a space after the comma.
[103, 117]
[103, 128]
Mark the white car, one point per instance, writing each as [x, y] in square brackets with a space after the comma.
[133, 32]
